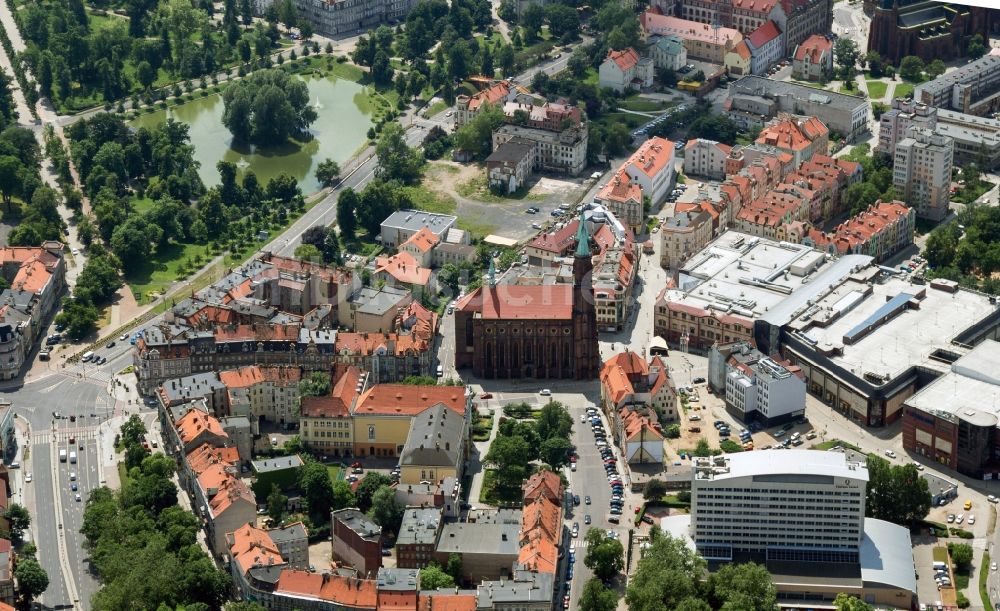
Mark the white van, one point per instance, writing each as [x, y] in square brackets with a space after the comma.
[72, 457]
[62, 455]
[87, 356]
[939, 566]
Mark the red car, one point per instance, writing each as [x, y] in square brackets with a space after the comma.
[566, 602]
[486, 395]
[572, 457]
[355, 464]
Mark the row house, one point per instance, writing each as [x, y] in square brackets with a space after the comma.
[684, 234]
[389, 357]
[697, 328]
[613, 278]
[764, 217]
[800, 138]
[880, 231]
[35, 280]
[624, 198]
[629, 382]
[263, 393]
[703, 157]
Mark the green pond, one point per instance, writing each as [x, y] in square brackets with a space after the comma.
[339, 131]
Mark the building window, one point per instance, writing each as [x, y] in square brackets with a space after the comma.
[371, 432]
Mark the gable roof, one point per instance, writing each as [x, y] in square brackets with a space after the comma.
[194, 423]
[423, 240]
[626, 59]
[403, 399]
[542, 483]
[767, 32]
[340, 400]
[813, 49]
[652, 157]
[404, 268]
[251, 547]
[350, 592]
[206, 455]
[541, 517]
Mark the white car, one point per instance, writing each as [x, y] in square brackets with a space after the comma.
[76, 252]
[972, 519]
[992, 499]
[993, 566]
[890, 454]
[545, 392]
[959, 518]
[27, 478]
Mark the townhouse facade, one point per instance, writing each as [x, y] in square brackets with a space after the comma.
[36, 278]
[625, 69]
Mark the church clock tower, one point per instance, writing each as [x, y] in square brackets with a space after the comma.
[586, 354]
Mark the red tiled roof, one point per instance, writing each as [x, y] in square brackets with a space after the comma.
[364, 344]
[338, 403]
[742, 50]
[542, 483]
[761, 6]
[652, 157]
[206, 455]
[557, 242]
[251, 547]
[491, 95]
[626, 59]
[422, 240]
[404, 268]
[288, 333]
[191, 424]
[811, 50]
[621, 188]
[541, 302]
[442, 601]
[764, 34]
[793, 135]
[403, 399]
[344, 591]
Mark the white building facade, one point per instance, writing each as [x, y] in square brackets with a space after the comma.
[921, 172]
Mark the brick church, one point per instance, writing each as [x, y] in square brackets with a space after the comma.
[508, 331]
[928, 29]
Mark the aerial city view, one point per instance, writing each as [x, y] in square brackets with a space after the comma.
[499, 305]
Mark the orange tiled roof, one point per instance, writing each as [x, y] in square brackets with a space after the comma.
[626, 59]
[191, 424]
[652, 157]
[422, 240]
[206, 455]
[653, 23]
[343, 591]
[404, 268]
[243, 377]
[440, 601]
[426, 320]
[230, 490]
[403, 399]
[491, 95]
[742, 50]
[792, 135]
[31, 277]
[539, 554]
[540, 516]
[761, 6]
[767, 32]
[340, 400]
[365, 344]
[542, 483]
[557, 242]
[540, 302]
[635, 423]
[287, 333]
[251, 546]
[621, 189]
[616, 372]
[812, 49]
[861, 228]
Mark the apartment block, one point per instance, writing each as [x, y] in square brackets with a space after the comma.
[706, 158]
[812, 59]
[767, 47]
[563, 151]
[682, 235]
[341, 17]
[971, 89]
[977, 139]
[668, 52]
[356, 540]
[881, 231]
[418, 536]
[623, 197]
[652, 166]
[701, 41]
[794, 505]
[921, 172]
[36, 278]
[896, 122]
[761, 389]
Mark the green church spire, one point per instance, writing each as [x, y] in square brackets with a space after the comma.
[582, 239]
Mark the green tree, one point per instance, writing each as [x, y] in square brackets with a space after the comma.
[433, 578]
[267, 108]
[532, 19]
[702, 448]
[564, 21]
[396, 160]
[31, 578]
[896, 493]
[347, 204]
[314, 480]
[597, 597]
[476, 135]
[961, 554]
[276, 503]
[244, 605]
[935, 69]
[506, 59]
[370, 484]
[846, 602]
[616, 139]
[385, 511]
[977, 47]
[79, 317]
[744, 586]
[145, 74]
[554, 451]
[99, 280]
[554, 421]
[454, 567]
[316, 384]
[328, 172]
[510, 456]
[133, 430]
[579, 63]
[343, 496]
[911, 68]
[668, 573]
[308, 252]
[874, 61]
[673, 431]
[19, 520]
[654, 490]
[846, 53]
[605, 556]
[11, 172]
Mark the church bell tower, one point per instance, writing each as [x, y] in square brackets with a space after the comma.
[586, 354]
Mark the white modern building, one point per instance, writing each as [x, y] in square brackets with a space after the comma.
[895, 124]
[788, 505]
[921, 172]
[652, 166]
[759, 388]
[624, 70]
[707, 158]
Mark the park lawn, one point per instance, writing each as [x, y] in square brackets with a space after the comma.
[163, 268]
[436, 108]
[903, 90]
[489, 494]
[336, 472]
[141, 204]
[592, 77]
[122, 474]
[940, 554]
[876, 89]
[638, 104]
[826, 445]
[426, 199]
[971, 192]
[631, 121]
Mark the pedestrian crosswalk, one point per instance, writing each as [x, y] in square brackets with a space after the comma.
[80, 434]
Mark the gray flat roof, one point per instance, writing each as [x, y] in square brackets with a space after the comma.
[970, 390]
[968, 72]
[396, 580]
[485, 538]
[291, 532]
[533, 587]
[887, 555]
[906, 339]
[378, 301]
[760, 86]
[718, 276]
[798, 462]
[280, 463]
[413, 220]
[419, 526]
[359, 523]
